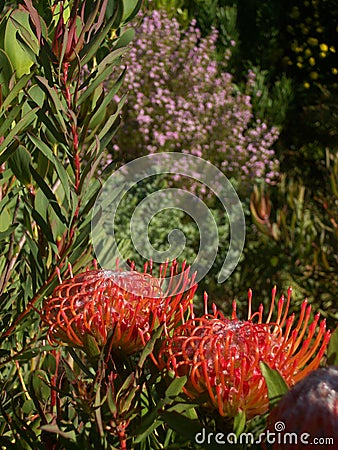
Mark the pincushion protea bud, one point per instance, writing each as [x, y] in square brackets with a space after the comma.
[221, 356]
[310, 412]
[128, 306]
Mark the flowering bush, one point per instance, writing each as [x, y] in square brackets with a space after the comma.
[181, 99]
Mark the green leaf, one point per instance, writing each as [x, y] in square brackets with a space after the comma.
[274, 381]
[103, 70]
[6, 72]
[175, 387]
[59, 107]
[239, 423]
[148, 349]
[39, 385]
[79, 362]
[55, 162]
[153, 424]
[130, 9]
[184, 426]
[18, 20]
[18, 129]
[89, 51]
[48, 193]
[332, 351]
[53, 133]
[96, 117]
[10, 118]
[4, 222]
[54, 428]
[19, 163]
[44, 226]
[9, 100]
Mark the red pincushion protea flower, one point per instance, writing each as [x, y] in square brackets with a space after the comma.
[307, 415]
[130, 305]
[221, 356]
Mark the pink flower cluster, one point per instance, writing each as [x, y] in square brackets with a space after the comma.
[181, 99]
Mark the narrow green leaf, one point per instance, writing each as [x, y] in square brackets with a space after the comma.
[4, 234]
[18, 129]
[10, 118]
[274, 381]
[89, 51]
[111, 401]
[79, 362]
[54, 428]
[54, 132]
[102, 105]
[59, 106]
[125, 38]
[97, 410]
[184, 426]
[44, 226]
[9, 100]
[239, 423]
[153, 424]
[56, 163]
[175, 387]
[102, 136]
[6, 72]
[103, 70]
[148, 349]
[48, 193]
[19, 163]
[8, 152]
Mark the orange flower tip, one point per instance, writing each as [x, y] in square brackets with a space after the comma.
[70, 270]
[274, 290]
[281, 302]
[58, 272]
[205, 299]
[250, 294]
[234, 309]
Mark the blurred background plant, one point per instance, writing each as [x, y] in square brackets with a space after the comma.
[297, 246]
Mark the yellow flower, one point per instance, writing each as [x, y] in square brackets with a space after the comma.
[313, 41]
[308, 52]
[306, 85]
[334, 70]
[312, 61]
[323, 47]
[332, 49]
[314, 75]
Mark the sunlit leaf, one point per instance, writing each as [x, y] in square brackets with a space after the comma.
[274, 381]
[17, 129]
[19, 162]
[48, 193]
